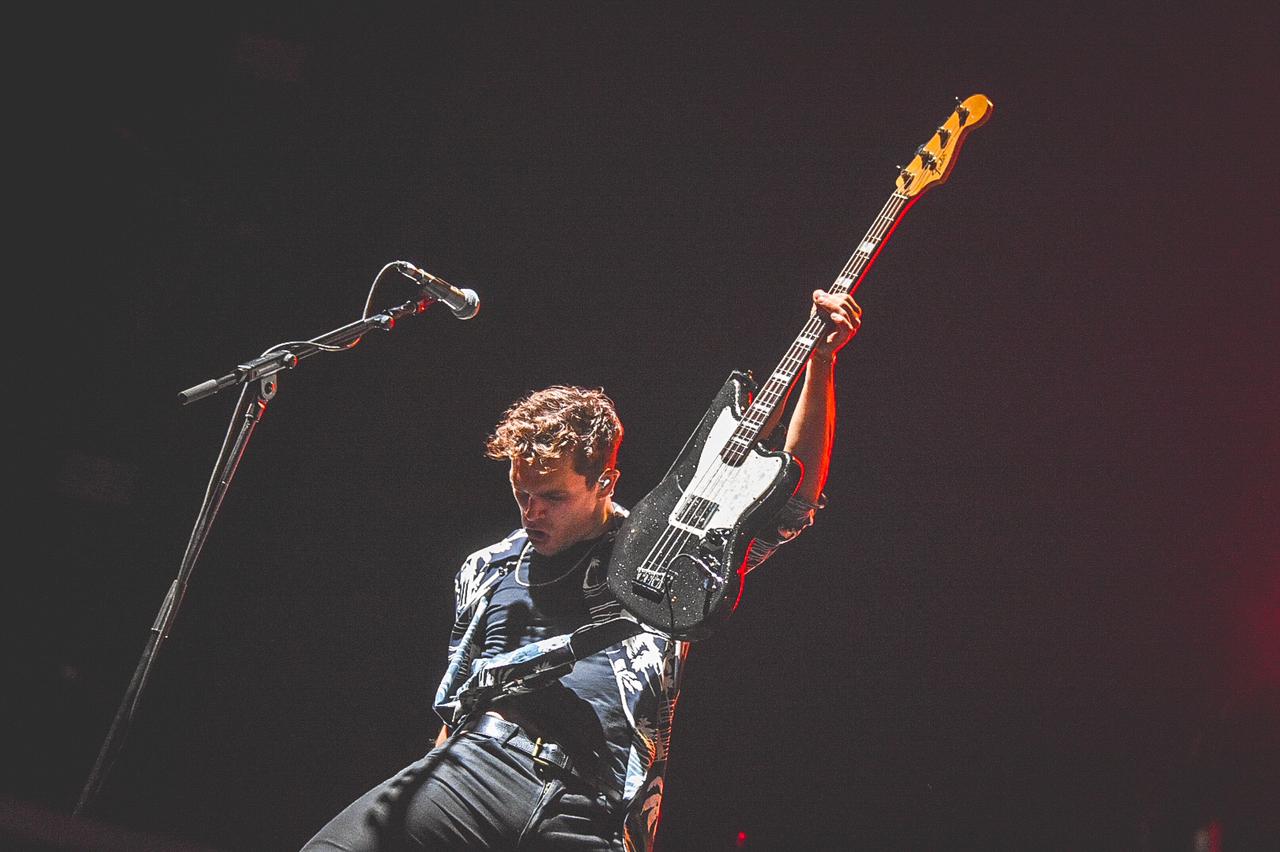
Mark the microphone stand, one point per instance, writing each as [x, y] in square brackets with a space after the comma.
[258, 387]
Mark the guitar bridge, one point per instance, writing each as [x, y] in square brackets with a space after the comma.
[646, 590]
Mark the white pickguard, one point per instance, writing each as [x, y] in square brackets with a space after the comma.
[732, 489]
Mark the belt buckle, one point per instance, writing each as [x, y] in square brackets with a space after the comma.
[537, 754]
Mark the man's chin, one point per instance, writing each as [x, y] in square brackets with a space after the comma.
[543, 544]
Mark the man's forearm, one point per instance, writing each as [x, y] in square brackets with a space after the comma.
[811, 431]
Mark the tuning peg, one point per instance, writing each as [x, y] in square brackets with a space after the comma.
[944, 136]
[927, 159]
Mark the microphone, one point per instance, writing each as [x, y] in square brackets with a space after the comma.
[464, 303]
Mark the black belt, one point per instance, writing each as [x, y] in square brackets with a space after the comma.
[547, 755]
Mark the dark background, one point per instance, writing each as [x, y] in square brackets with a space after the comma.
[1042, 608]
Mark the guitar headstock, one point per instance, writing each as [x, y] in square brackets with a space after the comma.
[934, 159]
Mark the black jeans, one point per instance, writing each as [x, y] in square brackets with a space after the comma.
[473, 793]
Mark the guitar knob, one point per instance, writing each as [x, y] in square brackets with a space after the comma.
[713, 541]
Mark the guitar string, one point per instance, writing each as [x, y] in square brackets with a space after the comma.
[775, 388]
[810, 334]
[710, 484]
[673, 539]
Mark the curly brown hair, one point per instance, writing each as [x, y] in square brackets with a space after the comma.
[557, 422]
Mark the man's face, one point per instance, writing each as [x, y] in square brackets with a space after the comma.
[558, 506]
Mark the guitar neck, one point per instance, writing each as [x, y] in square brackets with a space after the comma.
[774, 391]
[932, 163]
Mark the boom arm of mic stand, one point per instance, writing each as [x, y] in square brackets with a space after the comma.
[268, 365]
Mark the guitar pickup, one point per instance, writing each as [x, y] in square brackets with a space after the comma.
[693, 514]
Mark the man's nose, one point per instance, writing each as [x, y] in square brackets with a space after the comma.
[534, 509]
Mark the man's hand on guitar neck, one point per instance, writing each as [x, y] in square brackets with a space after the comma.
[843, 317]
[812, 429]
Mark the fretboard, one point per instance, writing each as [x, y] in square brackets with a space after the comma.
[775, 389]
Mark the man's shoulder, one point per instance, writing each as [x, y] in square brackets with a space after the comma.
[480, 566]
[507, 547]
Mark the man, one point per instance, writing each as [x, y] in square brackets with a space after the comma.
[537, 752]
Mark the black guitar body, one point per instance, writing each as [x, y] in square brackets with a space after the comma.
[677, 560]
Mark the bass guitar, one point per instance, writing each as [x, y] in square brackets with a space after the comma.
[678, 561]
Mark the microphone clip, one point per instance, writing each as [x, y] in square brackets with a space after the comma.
[464, 303]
